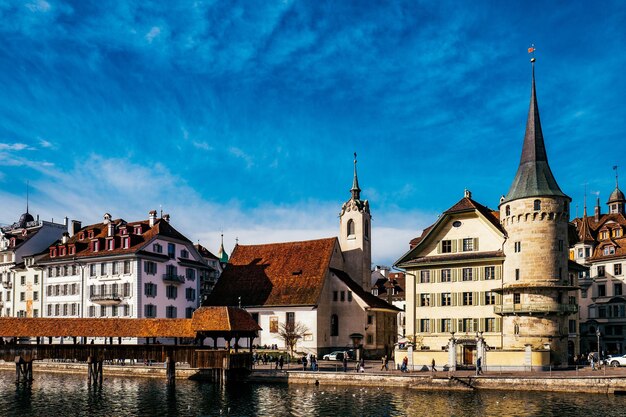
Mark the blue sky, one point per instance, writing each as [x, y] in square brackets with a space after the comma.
[243, 116]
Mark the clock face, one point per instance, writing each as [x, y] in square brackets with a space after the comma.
[457, 224]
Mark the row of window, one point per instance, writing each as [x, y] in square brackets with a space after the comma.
[65, 289]
[111, 290]
[448, 299]
[617, 232]
[341, 296]
[460, 274]
[447, 325]
[536, 207]
[617, 270]
[171, 250]
[171, 291]
[123, 310]
[607, 311]
[115, 268]
[23, 279]
[62, 271]
[23, 296]
[171, 312]
[469, 244]
[71, 309]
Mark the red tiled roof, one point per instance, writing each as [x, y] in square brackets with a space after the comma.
[137, 241]
[275, 274]
[589, 232]
[208, 319]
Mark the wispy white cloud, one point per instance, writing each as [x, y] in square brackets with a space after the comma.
[14, 147]
[239, 153]
[38, 6]
[153, 33]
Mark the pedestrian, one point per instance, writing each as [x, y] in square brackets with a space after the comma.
[383, 361]
[432, 366]
[313, 363]
[362, 365]
[304, 361]
[479, 366]
[281, 362]
[405, 364]
[592, 361]
[345, 362]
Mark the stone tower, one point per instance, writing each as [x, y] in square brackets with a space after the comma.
[535, 214]
[355, 235]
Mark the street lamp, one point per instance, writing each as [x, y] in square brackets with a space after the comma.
[598, 336]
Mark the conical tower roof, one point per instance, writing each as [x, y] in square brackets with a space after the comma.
[534, 177]
[221, 253]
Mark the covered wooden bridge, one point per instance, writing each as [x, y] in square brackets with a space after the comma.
[166, 340]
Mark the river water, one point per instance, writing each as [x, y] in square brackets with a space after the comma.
[69, 395]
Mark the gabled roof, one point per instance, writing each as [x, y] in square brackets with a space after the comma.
[205, 253]
[589, 232]
[534, 177]
[465, 205]
[371, 300]
[275, 274]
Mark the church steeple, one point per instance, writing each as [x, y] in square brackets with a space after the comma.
[221, 253]
[616, 199]
[356, 191]
[534, 177]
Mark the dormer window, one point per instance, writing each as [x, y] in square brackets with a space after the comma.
[537, 205]
[123, 231]
[53, 252]
[608, 250]
[137, 229]
[62, 251]
[81, 235]
[616, 232]
[72, 249]
[126, 242]
[110, 244]
[12, 242]
[90, 234]
[95, 246]
[604, 235]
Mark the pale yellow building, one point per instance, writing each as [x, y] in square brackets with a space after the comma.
[493, 286]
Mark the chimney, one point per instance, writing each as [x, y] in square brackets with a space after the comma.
[65, 237]
[111, 230]
[597, 210]
[152, 218]
[166, 217]
[107, 218]
[75, 226]
[65, 219]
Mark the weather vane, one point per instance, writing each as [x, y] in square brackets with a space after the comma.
[531, 50]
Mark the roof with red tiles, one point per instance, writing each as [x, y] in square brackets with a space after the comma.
[81, 240]
[209, 319]
[590, 231]
[275, 274]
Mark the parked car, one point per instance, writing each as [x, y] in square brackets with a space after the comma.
[615, 361]
[334, 356]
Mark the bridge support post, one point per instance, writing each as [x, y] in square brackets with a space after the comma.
[23, 369]
[170, 370]
[94, 371]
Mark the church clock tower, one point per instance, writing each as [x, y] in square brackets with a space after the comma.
[355, 235]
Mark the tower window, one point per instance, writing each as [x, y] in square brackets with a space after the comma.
[518, 246]
[350, 227]
[517, 275]
[334, 325]
[366, 232]
[507, 210]
[537, 205]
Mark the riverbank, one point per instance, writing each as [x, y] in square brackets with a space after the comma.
[584, 380]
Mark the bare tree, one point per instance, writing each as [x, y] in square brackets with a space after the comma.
[291, 333]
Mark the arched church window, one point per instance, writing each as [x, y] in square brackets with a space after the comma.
[508, 210]
[350, 227]
[537, 205]
[334, 325]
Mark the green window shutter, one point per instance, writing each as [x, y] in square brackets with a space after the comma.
[481, 273]
[460, 245]
[498, 299]
[454, 245]
[459, 325]
[475, 272]
[475, 244]
[476, 324]
[433, 323]
[454, 274]
[439, 247]
[481, 298]
[498, 324]
[475, 298]
[498, 271]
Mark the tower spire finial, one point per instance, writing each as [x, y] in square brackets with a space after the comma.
[616, 177]
[356, 191]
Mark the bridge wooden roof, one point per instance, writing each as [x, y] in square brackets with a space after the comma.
[209, 320]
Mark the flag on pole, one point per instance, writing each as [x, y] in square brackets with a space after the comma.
[531, 49]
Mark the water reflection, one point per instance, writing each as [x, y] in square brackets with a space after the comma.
[59, 394]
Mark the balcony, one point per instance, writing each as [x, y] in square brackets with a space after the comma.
[7, 285]
[536, 308]
[174, 279]
[106, 298]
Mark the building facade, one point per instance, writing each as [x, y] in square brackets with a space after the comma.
[141, 269]
[601, 247]
[23, 238]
